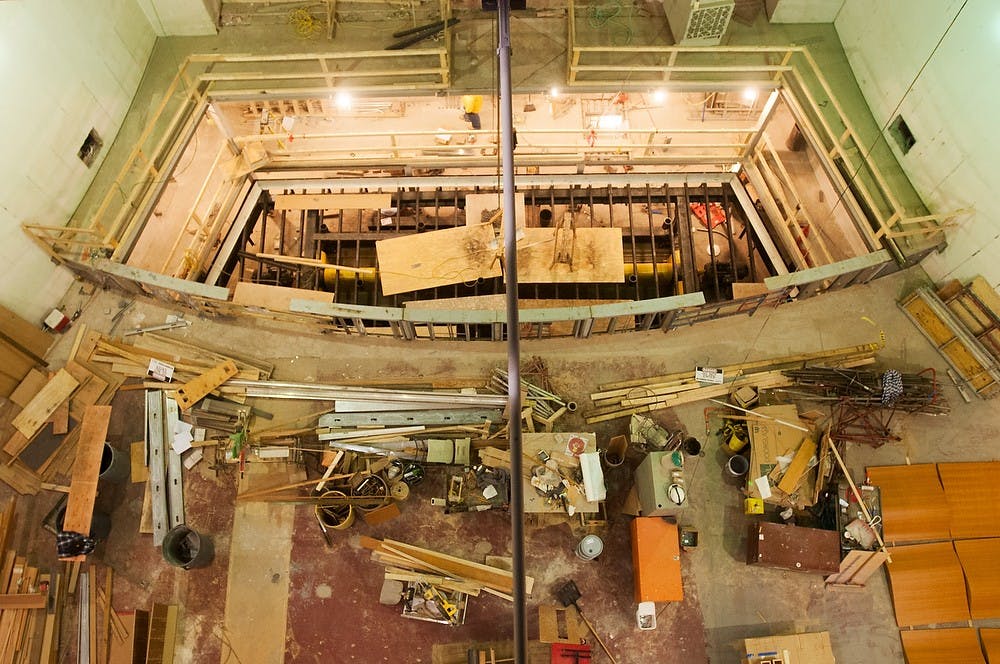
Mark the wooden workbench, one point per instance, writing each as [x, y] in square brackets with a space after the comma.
[556, 445]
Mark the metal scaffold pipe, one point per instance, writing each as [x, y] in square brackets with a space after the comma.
[513, 340]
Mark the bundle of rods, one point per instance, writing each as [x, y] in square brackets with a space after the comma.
[920, 391]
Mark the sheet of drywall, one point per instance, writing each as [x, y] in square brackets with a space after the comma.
[893, 45]
[68, 67]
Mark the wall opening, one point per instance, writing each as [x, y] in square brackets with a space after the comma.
[901, 133]
[91, 147]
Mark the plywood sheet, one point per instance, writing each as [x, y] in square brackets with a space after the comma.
[23, 334]
[275, 298]
[991, 644]
[38, 410]
[914, 508]
[982, 575]
[936, 646]
[597, 257]
[29, 387]
[478, 204]
[332, 201]
[811, 647]
[972, 493]
[437, 258]
[927, 584]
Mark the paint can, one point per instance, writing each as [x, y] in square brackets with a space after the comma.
[645, 616]
[589, 547]
[186, 548]
[737, 466]
[115, 466]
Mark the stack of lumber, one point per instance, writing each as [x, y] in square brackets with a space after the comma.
[24, 595]
[33, 451]
[976, 367]
[644, 395]
[188, 360]
[22, 348]
[405, 562]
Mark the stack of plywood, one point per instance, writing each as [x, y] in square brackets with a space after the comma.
[933, 646]
[928, 586]
[914, 507]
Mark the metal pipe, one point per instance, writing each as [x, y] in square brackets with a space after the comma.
[513, 331]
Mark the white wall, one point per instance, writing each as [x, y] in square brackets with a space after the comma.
[803, 11]
[952, 110]
[67, 66]
[182, 17]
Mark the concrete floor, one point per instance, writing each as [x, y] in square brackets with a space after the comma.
[332, 594]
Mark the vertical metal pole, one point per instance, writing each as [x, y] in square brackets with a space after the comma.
[513, 340]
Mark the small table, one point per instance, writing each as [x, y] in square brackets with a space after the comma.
[558, 446]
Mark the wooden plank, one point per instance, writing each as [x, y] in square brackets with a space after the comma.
[60, 419]
[50, 632]
[197, 388]
[22, 601]
[597, 257]
[972, 495]
[492, 577]
[274, 298]
[137, 458]
[38, 410]
[29, 338]
[332, 201]
[991, 644]
[20, 478]
[798, 466]
[83, 487]
[28, 388]
[438, 258]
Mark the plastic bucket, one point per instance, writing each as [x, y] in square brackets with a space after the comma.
[614, 456]
[589, 547]
[185, 548]
[737, 466]
[339, 517]
[115, 466]
[100, 523]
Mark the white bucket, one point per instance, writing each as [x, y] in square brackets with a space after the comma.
[645, 616]
[589, 547]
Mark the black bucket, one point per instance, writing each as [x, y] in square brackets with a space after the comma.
[100, 524]
[691, 446]
[115, 466]
[185, 548]
[545, 217]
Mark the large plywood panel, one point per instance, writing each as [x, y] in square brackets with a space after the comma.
[437, 258]
[936, 646]
[274, 298]
[982, 575]
[597, 256]
[927, 583]
[913, 503]
[479, 209]
[972, 493]
[991, 644]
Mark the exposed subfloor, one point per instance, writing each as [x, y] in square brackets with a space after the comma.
[232, 611]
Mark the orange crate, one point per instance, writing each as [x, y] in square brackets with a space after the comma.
[656, 558]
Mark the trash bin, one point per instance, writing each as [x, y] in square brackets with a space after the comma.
[185, 548]
[115, 465]
[100, 524]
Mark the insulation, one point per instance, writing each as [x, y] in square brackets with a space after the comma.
[973, 497]
[982, 575]
[935, 646]
[914, 508]
[927, 585]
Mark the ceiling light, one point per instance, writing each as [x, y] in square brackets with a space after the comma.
[735, 168]
[610, 122]
[750, 95]
[553, 92]
[659, 96]
[343, 101]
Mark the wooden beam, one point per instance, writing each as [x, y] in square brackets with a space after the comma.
[83, 487]
[41, 407]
